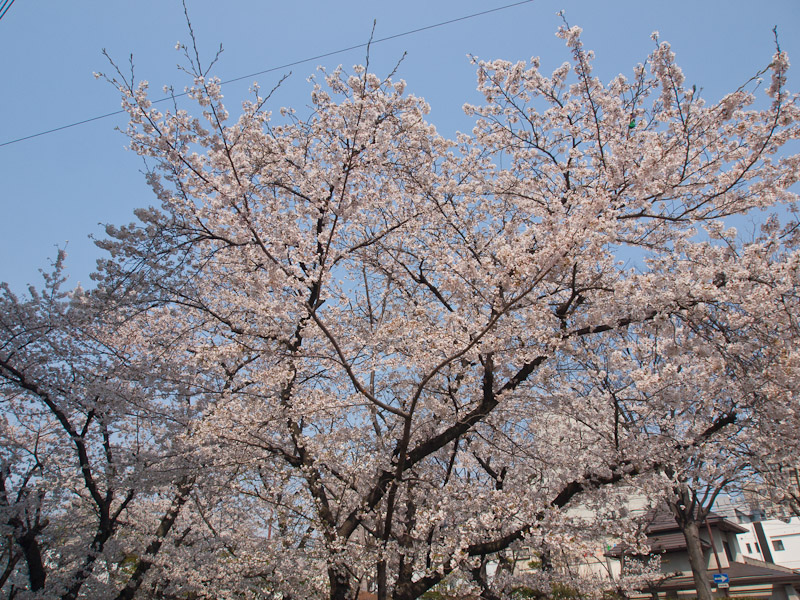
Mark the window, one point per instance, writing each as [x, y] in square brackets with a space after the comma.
[757, 548]
[749, 549]
[727, 548]
[778, 545]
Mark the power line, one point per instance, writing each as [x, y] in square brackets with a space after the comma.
[4, 8]
[278, 68]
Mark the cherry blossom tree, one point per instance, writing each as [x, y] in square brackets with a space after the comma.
[774, 446]
[92, 437]
[397, 307]
[726, 365]
[395, 339]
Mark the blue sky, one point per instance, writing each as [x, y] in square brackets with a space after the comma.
[56, 189]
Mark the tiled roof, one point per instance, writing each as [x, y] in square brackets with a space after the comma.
[663, 520]
[664, 535]
[667, 542]
[741, 574]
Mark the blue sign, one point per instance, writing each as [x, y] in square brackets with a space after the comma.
[721, 578]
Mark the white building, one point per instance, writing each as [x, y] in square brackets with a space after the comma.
[725, 556]
[773, 540]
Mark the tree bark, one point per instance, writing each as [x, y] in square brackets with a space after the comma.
[340, 583]
[33, 558]
[164, 527]
[697, 560]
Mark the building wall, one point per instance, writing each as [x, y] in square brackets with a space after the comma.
[779, 535]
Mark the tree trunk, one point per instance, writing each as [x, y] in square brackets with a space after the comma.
[697, 560]
[164, 527]
[82, 574]
[383, 593]
[33, 557]
[340, 583]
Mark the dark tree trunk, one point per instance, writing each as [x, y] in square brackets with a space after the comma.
[80, 577]
[164, 527]
[697, 560]
[33, 557]
[383, 592]
[341, 583]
